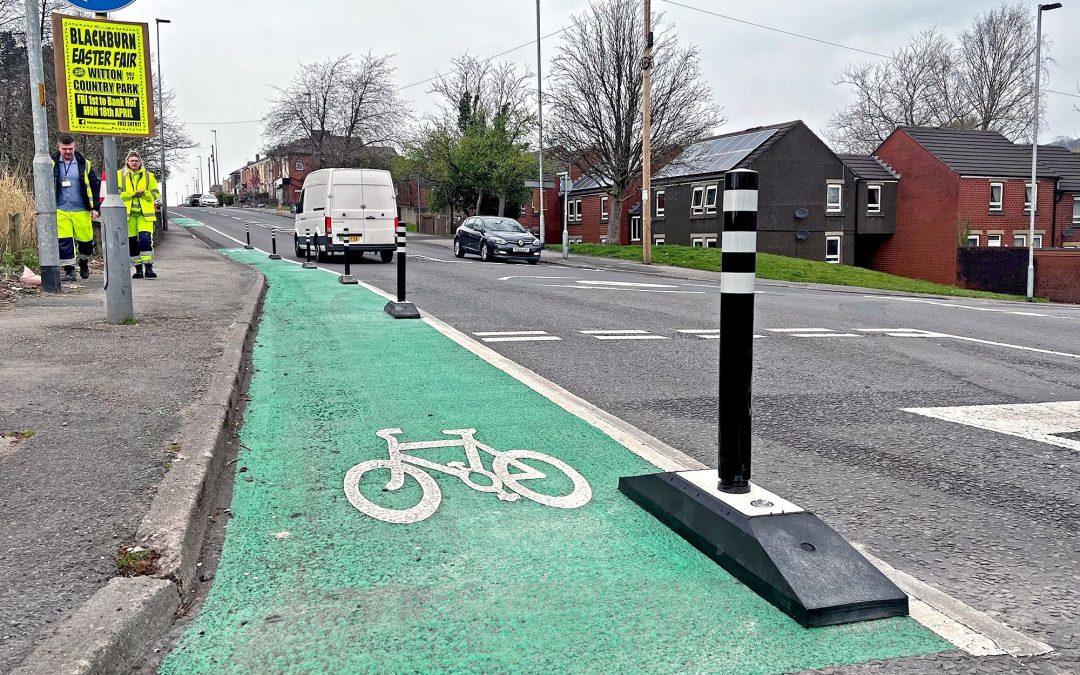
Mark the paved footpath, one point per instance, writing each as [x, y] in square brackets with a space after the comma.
[531, 562]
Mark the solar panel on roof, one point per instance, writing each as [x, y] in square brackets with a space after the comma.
[720, 154]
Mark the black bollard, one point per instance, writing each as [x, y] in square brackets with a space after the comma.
[401, 309]
[308, 264]
[347, 278]
[273, 244]
[247, 237]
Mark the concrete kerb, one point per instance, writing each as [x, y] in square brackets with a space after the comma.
[110, 632]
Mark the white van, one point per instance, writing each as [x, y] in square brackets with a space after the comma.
[354, 207]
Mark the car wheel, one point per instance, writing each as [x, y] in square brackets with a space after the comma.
[485, 254]
[386, 256]
[458, 251]
[533, 261]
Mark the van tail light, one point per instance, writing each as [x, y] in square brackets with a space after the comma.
[328, 232]
[397, 223]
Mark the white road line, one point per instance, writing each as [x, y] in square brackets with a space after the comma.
[799, 330]
[510, 332]
[614, 332]
[613, 288]
[524, 338]
[625, 284]
[1009, 346]
[955, 617]
[974, 309]
[1042, 422]
[811, 335]
[528, 276]
[901, 332]
[631, 337]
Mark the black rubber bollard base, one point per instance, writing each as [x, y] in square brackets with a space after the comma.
[248, 247]
[785, 554]
[402, 310]
[309, 265]
[347, 279]
[274, 256]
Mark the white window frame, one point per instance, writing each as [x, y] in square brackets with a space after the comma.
[974, 240]
[632, 219]
[1019, 240]
[839, 239]
[1076, 210]
[710, 199]
[698, 195]
[570, 214]
[604, 208]
[1027, 197]
[873, 208]
[660, 204]
[998, 205]
[658, 240]
[838, 207]
[577, 205]
[710, 242]
[697, 242]
[299, 166]
[994, 240]
[1037, 240]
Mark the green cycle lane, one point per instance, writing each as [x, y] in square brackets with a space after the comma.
[309, 582]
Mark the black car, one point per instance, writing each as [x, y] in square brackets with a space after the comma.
[493, 237]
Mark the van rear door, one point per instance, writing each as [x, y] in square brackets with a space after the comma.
[380, 208]
[347, 207]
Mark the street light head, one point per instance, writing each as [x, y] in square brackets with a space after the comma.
[1050, 6]
[169, 21]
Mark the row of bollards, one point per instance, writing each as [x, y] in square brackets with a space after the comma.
[399, 309]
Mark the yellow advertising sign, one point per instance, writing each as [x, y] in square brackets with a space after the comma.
[103, 83]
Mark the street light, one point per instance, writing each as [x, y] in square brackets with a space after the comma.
[1035, 152]
[161, 130]
[563, 176]
[217, 165]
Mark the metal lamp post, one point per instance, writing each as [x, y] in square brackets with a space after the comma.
[161, 131]
[1035, 151]
[217, 165]
[563, 177]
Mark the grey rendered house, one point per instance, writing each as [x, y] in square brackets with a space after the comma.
[811, 204]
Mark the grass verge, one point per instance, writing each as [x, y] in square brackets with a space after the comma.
[783, 268]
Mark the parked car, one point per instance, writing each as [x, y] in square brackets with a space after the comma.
[193, 200]
[208, 200]
[493, 237]
[354, 208]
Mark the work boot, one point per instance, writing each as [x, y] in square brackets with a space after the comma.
[150, 273]
[69, 273]
[84, 268]
[138, 272]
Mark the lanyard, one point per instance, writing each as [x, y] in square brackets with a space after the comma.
[67, 167]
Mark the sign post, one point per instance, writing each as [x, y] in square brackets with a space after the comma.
[103, 86]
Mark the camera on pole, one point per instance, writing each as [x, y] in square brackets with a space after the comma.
[783, 552]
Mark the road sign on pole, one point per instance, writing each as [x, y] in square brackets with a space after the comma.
[101, 5]
[103, 83]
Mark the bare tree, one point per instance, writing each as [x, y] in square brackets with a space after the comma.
[985, 80]
[491, 89]
[596, 96]
[338, 106]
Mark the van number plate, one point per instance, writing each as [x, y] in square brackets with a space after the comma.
[355, 237]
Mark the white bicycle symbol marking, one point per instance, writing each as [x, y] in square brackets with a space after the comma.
[402, 464]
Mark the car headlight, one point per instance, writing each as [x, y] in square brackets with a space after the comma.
[498, 240]
[536, 242]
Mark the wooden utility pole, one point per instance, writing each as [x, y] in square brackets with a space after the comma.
[646, 163]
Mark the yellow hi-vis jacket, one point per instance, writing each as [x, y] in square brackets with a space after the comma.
[131, 182]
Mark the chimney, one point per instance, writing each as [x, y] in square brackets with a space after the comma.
[256, 157]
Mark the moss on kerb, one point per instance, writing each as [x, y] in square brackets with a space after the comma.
[483, 584]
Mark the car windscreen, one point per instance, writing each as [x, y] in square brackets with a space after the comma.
[505, 226]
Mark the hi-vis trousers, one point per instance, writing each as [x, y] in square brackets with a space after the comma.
[74, 232]
[140, 239]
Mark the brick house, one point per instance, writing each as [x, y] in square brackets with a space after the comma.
[811, 204]
[970, 188]
[589, 207]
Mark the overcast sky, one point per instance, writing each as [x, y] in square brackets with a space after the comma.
[224, 57]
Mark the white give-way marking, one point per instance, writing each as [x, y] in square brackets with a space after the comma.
[1042, 422]
[623, 335]
[810, 332]
[516, 336]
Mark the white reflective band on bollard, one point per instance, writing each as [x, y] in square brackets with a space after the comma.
[739, 242]
[740, 200]
[737, 282]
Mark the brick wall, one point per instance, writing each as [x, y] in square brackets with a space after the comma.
[1057, 275]
[1065, 220]
[975, 215]
[924, 246]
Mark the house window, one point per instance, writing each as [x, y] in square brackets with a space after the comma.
[660, 203]
[832, 248]
[873, 199]
[1076, 210]
[1037, 241]
[603, 208]
[658, 240]
[973, 240]
[996, 190]
[571, 205]
[710, 242]
[1020, 240]
[993, 240]
[833, 199]
[697, 202]
[697, 242]
[299, 166]
[710, 199]
[577, 208]
[635, 228]
[1027, 196]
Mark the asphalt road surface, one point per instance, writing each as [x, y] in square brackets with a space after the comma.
[979, 502]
